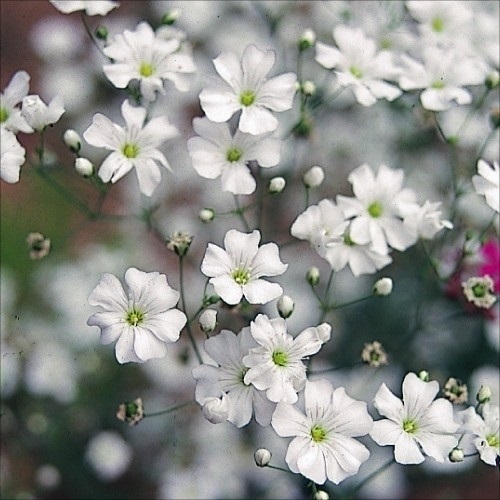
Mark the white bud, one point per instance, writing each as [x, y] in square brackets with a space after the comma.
[484, 394]
[276, 185]
[285, 306]
[216, 410]
[308, 87]
[456, 455]
[84, 167]
[423, 375]
[307, 39]
[314, 177]
[73, 140]
[262, 457]
[208, 320]
[321, 495]
[206, 214]
[324, 332]
[313, 276]
[382, 287]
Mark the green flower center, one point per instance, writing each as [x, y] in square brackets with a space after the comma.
[375, 209]
[439, 84]
[135, 317]
[318, 434]
[437, 25]
[280, 358]
[247, 97]
[493, 440]
[356, 72]
[479, 290]
[130, 150]
[410, 426]
[146, 69]
[233, 155]
[4, 114]
[241, 276]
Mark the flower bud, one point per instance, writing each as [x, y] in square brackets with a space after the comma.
[493, 80]
[216, 410]
[285, 306]
[262, 457]
[307, 40]
[101, 32]
[170, 17]
[206, 214]
[276, 185]
[84, 167]
[484, 394]
[208, 320]
[382, 287]
[313, 177]
[495, 117]
[313, 276]
[324, 332]
[179, 243]
[39, 245]
[424, 375]
[72, 140]
[456, 455]
[132, 412]
[321, 495]
[308, 88]
[374, 355]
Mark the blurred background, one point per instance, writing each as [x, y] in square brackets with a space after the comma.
[60, 389]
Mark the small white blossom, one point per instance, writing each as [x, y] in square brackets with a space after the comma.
[285, 306]
[314, 177]
[206, 214]
[141, 322]
[12, 156]
[237, 271]
[13, 94]
[262, 457]
[244, 87]
[382, 287]
[208, 320]
[418, 424]
[135, 146]
[216, 410]
[91, 7]
[426, 221]
[73, 140]
[480, 290]
[276, 185]
[324, 446]
[84, 167]
[487, 183]
[38, 114]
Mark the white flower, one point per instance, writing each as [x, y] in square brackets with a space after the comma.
[418, 424]
[379, 205]
[10, 114]
[314, 177]
[38, 115]
[208, 320]
[12, 156]
[323, 447]
[483, 431]
[442, 75]
[237, 271]
[487, 183]
[480, 290]
[246, 88]
[84, 167]
[426, 220]
[275, 365]
[217, 153]
[91, 7]
[141, 322]
[276, 185]
[73, 140]
[141, 55]
[383, 287]
[216, 410]
[226, 377]
[133, 146]
[358, 65]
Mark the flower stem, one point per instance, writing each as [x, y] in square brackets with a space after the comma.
[170, 409]
[371, 476]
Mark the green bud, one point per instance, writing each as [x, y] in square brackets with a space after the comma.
[101, 33]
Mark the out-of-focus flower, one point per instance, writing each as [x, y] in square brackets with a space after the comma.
[141, 322]
[217, 153]
[276, 185]
[109, 455]
[307, 39]
[480, 290]
[12, 156]
[417, 424]
[374, 355]
[490, 259]
[359, 66]
[237, 271]
[206, 214]
[245, 88]
[426, 220]
[483, 394]
[131, 412]
[455, 391]
[323, 446]
[383, 287]
[313, 276]
[91, 7]
[38, 114]
[179, 243]
[143, 56]
[13, 94]
[135, 146]
[39, 245]
[314, 177]
[487, 183]
[276, 365]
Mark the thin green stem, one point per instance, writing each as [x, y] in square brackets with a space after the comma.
[371, 476]
[241, 213]
[92, 39]
[324, 304]
[170, 409]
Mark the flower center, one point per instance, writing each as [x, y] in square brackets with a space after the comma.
[410, 426]
[438, 84]
[4, 114]
[493, 440]
[247, 97]
[437, 25]
[130, 150]
[356, 72]
[318, 434]
[146, 69]
[479, 290]
[135, 317]
[233, 154]
[241, 276]
[280, 358]
[375, 209]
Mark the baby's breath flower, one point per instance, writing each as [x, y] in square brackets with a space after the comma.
[285, 306]
[424, 375]
[39, 246]
[73, 140]
[455, 391]
[308, 88]
[313, 177]
[307, 40]
[321, 495]
[131, 412]
[484, 394]
[179, 243]
[456, 455]
[480, 291]
[206, 214]
[171, 16]
[276, 185]
[374, 354]
[208, 320]
[216, 410]
[382, 287]
[84, 167]
[262, 457]
[313, 276]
